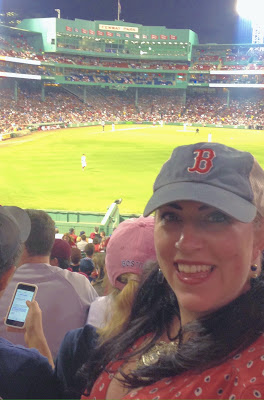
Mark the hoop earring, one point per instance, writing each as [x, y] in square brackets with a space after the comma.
[160, 277]
[254, 268]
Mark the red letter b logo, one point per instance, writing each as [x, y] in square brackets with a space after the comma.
[203, 161]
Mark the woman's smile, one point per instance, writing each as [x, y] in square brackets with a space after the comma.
[204, 254]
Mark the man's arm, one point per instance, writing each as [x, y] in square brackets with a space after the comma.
[34, 334]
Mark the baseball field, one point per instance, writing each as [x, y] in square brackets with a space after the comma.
[43, 170]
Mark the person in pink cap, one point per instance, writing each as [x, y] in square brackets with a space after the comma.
[130, 246]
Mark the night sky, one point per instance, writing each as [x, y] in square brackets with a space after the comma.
[215, 21]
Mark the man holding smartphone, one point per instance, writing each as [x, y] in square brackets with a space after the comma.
[63, 296]
[24, 373]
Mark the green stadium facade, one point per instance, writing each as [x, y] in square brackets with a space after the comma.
[118, 41]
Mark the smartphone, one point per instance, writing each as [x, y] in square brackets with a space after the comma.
[17, 311]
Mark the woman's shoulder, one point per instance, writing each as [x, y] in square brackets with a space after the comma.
[251, 358]
[239, 377]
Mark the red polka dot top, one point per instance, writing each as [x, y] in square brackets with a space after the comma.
[241, 377]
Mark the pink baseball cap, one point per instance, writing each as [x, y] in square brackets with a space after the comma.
[129, 247]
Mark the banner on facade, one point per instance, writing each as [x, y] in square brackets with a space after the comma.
[118, 28]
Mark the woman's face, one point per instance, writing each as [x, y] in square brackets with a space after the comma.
[204, 254]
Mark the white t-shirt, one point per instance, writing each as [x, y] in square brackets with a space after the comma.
[100, 311]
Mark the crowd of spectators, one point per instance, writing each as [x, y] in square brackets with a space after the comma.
[226, 79]
[133, 78]
[101, 62]
[239, 58]
[16, 47]
[24, 68]
[62, 108]
[139, 78]
[20, 48]
[203, 60]
[119, 78]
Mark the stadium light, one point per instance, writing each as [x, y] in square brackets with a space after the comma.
[58, 11]
[253, 11]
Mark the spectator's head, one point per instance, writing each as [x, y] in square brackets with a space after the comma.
[56, 230]
[96, 240]
[41, 237]
[68, 238]
[86, 266]
[102, 234]
[96, 229]
[83, 237]
[89, 249]
[129, 247]
[76, 256]
[14, 230]
[82, 233]
[71, 231]
[99, 263]
[60, 254]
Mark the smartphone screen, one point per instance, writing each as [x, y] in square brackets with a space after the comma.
[18, 309]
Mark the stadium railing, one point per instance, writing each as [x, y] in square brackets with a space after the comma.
[86, 221]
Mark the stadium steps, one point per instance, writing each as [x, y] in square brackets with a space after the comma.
[74, 91]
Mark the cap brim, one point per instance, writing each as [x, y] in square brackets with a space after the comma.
[226, 201]
[20, 218]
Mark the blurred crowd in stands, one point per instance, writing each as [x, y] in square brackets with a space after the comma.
[203, 59]
[87, 254]
[128, 78]
[64, 108]
[71, 106]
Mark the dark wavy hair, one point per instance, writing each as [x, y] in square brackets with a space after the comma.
[213, 338]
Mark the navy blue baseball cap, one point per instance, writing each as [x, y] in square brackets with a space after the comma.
[15, 228]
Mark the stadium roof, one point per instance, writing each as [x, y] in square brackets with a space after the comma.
[11, 31]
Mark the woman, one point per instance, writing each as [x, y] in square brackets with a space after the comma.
[196, 326]
[130, 246]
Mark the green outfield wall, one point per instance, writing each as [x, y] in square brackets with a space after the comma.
[86, 221]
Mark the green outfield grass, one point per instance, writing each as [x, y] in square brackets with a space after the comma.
[44, 170]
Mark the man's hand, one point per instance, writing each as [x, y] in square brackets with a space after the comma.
[34, 335]
[33, 331]
[33, 325]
